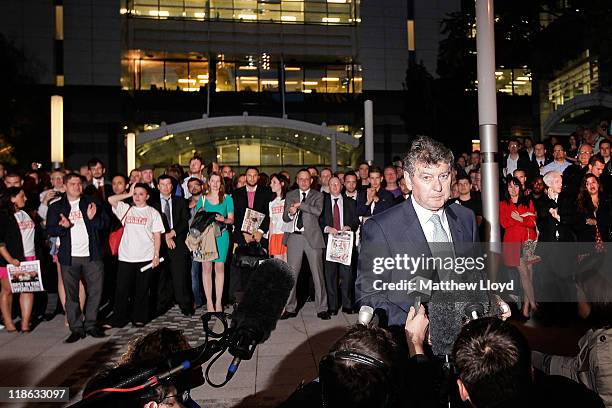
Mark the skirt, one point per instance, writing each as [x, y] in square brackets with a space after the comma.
[276, 246]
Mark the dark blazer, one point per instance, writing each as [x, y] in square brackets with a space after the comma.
[95, 228]
[398, 231]
[349, 214]
[10, 237]
[180, 216]
[386, 200]
[263, 196]
[91, 190]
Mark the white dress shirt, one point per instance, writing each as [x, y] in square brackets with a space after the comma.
[424, 215]
[163, 208]
[341, 207]
[294, 217]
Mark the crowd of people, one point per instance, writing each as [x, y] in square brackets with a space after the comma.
[69, 220]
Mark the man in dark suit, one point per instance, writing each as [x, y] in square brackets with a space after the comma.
[256, 198]
[99, 186]
[303, 208]
[422, 226]
[374, 199]
[339, 214]
[175, 216]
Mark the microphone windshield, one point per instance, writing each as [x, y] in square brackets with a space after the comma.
[263, 302]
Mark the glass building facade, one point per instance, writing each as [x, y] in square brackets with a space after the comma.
[328, 12]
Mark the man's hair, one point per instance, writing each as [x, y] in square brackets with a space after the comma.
[70, 176]
[327, 169]
[347, 381]
[464, 177]
[375, 169]
[351, 173]
[251, 168]
[93, 162]
[196, 157]
[123, 176]
[427, 151]
[595, 159]
[166, 177]
[362, 163]
[473, 171]
[549, 176]
[602, 141]
[312, 167]
[194, 179]
[493, 361]
[301, 170]
[559, 144]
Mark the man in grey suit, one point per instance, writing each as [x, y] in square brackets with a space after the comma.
[303, 207]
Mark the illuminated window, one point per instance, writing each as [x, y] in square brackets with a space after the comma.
[151, 74]
[516, 81]
[326, 12]
[226, 77]
[581, 78]
[410, 29]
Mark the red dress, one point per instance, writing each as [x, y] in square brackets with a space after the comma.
[515, 232]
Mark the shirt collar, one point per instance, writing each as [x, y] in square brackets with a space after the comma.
[250, 189]
[423, 214]
[165, 198]
[338, 196]
[307, 191]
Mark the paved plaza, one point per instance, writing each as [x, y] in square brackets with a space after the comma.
[290, 356]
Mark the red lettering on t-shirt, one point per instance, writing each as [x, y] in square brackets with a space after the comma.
[278, 209]
[75, 216]
[24, 225]
[136, 220]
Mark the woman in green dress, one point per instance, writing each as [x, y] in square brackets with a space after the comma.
[216, 201]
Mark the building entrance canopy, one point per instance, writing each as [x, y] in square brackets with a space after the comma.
[268, 142]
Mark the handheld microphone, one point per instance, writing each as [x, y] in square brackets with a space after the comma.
[366, 313]
[257, 314]
[421, 294]
[473, 311]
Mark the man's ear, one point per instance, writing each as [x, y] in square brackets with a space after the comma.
[463, 393]
[408, 180]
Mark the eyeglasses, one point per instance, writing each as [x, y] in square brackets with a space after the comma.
[586, 152]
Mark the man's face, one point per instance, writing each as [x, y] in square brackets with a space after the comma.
[215, 167]
[341, 177]
[74, 188]
[364, 169]
[241, 182]
[195, 188]
[2, 171]
[556, 183]
[539, 150]
[313, 172]
[430, 185]
[604, 150]
[592, 185]
[603, 129]
[528, 143]
[538, 185]
[350, 183]
[85, 172]
[390, 176]
[118, 184]
[375, 179]
[513, 148]
[227, 172]
[97, 171]
[559, 153]
[597, 168]
[588, 136]
[252, 177]
[57, 180]
[325, 177]
[165, 187]
[520, 174]
[584, 154]
[147, 176]
[12, 181]
[135, 177]
[403, 185]
[475, 159]
[195, 166]
[464, 186]
[304, 180]
[335, 187]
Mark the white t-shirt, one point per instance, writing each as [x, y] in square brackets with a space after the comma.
[141, 223]
[26, 226]
[276, 206]
[79, 237]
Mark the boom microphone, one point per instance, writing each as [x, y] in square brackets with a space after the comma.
[261, 306]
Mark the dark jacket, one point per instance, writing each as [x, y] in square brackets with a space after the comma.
[95, 227]
[10, 237]
[349, 214]
[263, 196]
[180, 216]
[385, 200]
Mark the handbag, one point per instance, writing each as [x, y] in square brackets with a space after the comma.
[249, 255]
[529, 249]
[114, 238]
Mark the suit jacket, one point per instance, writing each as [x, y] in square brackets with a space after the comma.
[349, 214]
[90, 189]
[311, 210]
[398, 231]
[180, 217]
[263, 196]
[385, 200]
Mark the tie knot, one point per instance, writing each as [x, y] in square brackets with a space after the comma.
[435, 219]
[303, 195]
[336, 200]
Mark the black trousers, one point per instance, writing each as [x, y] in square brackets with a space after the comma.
[175, 279]
[93, 274]
[132, 293]
[333, 271]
